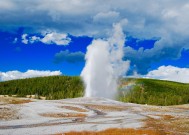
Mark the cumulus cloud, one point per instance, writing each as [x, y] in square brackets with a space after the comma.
[170, 73]
[15, 40]
[24, 38]
[106, 17]
[12, 75]
[142, 59]
[68, 56]
[56, 38]
[48, 38]
[160, 16]
[6, 5]
[167, 20]
[34, 39]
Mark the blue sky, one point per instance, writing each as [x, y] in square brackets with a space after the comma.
[52, 35]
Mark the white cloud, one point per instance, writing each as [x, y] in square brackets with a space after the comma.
[12, 75]
[56, 38]
[49, 38]
[68, 56]
[146, 18]
[106, 17]
[7, 4]
[170, 73]
[15, 40]
[165, 19]
[34, 39]
[24, 38]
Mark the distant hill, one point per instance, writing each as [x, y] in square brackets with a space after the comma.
[53, 87]
[153, 92]
[141, 91]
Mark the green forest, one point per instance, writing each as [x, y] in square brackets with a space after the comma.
[141, 91]
[53, 87]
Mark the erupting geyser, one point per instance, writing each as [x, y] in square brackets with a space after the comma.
[104, 65]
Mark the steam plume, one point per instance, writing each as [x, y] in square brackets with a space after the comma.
[104, 65]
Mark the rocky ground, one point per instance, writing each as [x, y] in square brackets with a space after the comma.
[92, 115]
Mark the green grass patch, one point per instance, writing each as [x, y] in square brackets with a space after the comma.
[154, 92]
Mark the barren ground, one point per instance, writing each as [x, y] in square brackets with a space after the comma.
[90, 116]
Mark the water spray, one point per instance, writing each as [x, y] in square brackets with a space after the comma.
[104, 65]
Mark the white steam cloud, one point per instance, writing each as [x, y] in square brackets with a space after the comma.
[170, 73]
[104, 65]
[12, 75]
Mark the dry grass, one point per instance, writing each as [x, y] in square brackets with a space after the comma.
[183, 107]
[13, 100]
[106, 107]
[115, 131]
[167, 117]
[63, 115]
[74, 108]
[127, 82]
[169, 125]
[150, 108]
[8, 113]
[154, 124]
[36, 97]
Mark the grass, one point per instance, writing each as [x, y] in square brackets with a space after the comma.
[7, 113]
[169, 125]
[167, 117]
[74, 108]
[115, 131]
[11, 100]
[19, 101]
[106, 107]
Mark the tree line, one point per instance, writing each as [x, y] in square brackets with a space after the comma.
[53, 87]
[143, 91]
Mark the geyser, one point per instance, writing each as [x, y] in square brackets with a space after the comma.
[104, 65]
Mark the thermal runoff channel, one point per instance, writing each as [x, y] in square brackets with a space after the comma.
[104, 65]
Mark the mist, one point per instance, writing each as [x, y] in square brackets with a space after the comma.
[104, 65]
